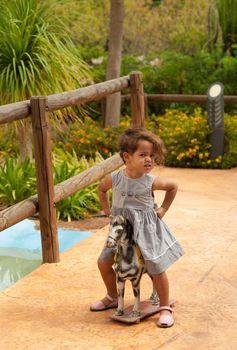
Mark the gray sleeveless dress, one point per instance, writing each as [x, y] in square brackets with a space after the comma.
[133, 199]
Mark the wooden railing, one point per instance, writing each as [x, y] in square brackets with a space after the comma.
[169, 98]
[48, 194]
[177, 98]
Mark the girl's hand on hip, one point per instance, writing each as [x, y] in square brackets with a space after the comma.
[160, 212]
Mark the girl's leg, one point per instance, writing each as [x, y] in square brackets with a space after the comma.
[108, 276]
[161, 285]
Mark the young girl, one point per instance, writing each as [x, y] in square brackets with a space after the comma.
[133, 198]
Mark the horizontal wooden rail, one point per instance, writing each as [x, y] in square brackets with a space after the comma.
[86, 178]
[14, 111]
[89, 93]
[153, 98]
[27, 208]
[177, 98]
[20, 110]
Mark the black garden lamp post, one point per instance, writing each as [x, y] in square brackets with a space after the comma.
[215, 108]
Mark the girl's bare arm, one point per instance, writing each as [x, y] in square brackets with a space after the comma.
[103, 188]
[170, 188]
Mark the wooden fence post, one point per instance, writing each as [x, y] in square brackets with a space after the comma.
[44, 173]
[137, 99]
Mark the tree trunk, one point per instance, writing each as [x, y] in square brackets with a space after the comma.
[24, 132]
[113, 102]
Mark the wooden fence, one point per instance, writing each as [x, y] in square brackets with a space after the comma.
[178, 98]
[47, 194]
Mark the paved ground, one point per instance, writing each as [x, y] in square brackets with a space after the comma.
[49, 309]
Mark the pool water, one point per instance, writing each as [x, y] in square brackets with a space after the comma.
[21, 252]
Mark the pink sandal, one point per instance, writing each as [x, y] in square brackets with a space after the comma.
[107, 303]
[165, 321]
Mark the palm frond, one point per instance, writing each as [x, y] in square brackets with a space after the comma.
[36, 56]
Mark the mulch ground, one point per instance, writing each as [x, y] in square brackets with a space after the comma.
[90, 224]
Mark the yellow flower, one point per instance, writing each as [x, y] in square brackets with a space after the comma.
[84, 140]
[124, 123]
[191, 150]
[200, 155]
[194, 141]
[180, 156]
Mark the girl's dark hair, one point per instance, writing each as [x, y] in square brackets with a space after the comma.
[128, 142]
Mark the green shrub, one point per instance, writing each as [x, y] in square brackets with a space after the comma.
[8, 148]
[230, 158]
[83, 202]
[17, 180]
[178, 73]
[87, 139]
[171, 72]
[186, 139]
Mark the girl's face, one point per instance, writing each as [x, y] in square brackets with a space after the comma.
[142, 160]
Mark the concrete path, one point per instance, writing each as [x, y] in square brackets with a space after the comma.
[49, 309]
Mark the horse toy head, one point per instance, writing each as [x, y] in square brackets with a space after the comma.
[120, 232]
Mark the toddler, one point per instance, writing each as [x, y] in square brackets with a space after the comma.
[132, 197]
